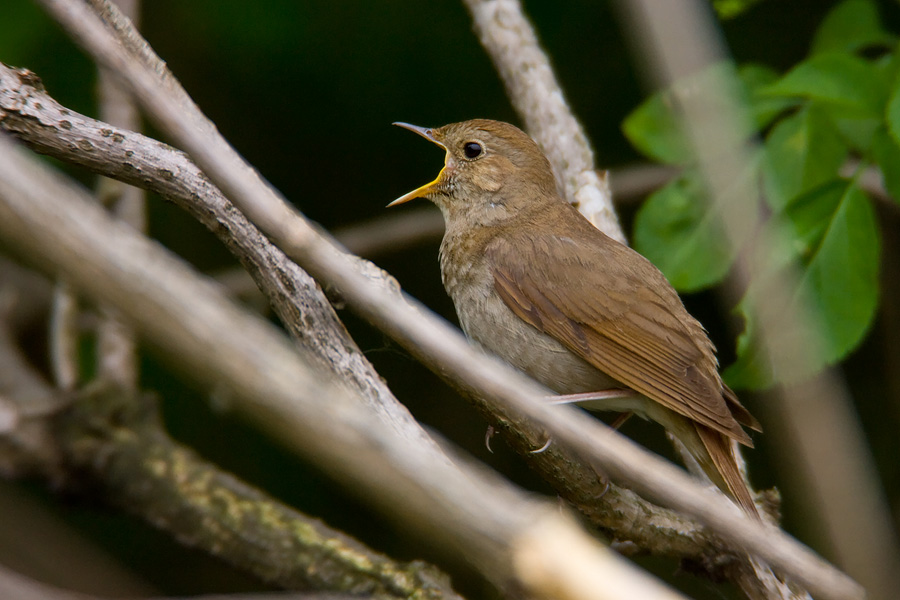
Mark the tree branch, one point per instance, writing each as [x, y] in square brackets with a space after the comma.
[679, 38]
[35, 118]
[15, 585]
[117, 354]
[241, 355]
[536, 95]
[109, 439]
[425, 336]
[114, 440]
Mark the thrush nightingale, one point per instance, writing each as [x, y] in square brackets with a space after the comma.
[536, 284]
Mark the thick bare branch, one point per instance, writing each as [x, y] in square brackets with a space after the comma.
[19, 587]
[113, 438]
[422, 334]
[40, 122]
[245, 357]
[109, 439]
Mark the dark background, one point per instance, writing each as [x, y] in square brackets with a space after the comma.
[307, 91]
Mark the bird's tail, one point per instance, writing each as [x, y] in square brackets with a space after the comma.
[723, 468]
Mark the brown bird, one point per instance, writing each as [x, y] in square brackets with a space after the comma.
[535, 283]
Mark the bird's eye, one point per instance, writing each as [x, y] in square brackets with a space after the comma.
[472, 149]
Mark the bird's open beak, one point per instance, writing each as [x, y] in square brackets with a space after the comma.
[426, 189]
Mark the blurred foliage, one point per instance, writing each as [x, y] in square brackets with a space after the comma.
[731, 9]
[840, 101]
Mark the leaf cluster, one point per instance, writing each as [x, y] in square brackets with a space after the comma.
[813, 131]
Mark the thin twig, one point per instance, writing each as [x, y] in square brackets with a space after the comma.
[406, 228]
[422, 334]
[117, 354]
[64, 338]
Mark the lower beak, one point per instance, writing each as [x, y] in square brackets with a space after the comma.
[429, 188]
[422, 192]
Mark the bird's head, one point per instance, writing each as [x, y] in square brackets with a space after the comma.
[492, 170]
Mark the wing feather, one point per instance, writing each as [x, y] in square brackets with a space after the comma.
[620, 316]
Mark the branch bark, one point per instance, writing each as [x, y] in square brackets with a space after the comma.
[117, 353]
[36, 119]
[15, 585]
[113, 439]
[108, 439]
[176, 114]
[237, 354]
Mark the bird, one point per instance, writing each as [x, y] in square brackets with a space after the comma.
[536, 284]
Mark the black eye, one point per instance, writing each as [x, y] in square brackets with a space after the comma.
[472, 149]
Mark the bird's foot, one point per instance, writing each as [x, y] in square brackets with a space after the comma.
[542, 448]
[487, 438]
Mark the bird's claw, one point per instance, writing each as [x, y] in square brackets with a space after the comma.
[542, 448]
[487, 438]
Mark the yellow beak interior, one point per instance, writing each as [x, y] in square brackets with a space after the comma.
[421, 192]
[425, 190]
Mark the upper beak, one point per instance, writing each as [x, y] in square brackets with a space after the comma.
[421, 192]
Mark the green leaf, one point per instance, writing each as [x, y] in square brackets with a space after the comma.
[730, 9]
[802, 152]
[893, 111]
[886, 152]
[676, 231]
[842, 273]
[859, 131]
[653, 129]
[763, 108]
[752, 370]
[850, 26]
[856, 133]
[809, 216]
[835, 232]
[855, 85]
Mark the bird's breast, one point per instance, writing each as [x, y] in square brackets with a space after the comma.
[490, 323]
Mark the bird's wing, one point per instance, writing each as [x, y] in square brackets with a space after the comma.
[620, 314]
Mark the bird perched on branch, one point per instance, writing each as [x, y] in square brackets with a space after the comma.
[539, 286]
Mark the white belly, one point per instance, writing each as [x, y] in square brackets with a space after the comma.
[537, 354]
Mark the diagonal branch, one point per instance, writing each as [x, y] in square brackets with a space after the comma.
[111, 440]
[503, 532]
[422, 334]
[678, 38]
[15, 585]
[35, 118]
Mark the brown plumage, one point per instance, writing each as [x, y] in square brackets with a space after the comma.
[536, 284]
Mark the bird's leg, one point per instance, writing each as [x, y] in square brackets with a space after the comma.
[600, 395]
[620, 419]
